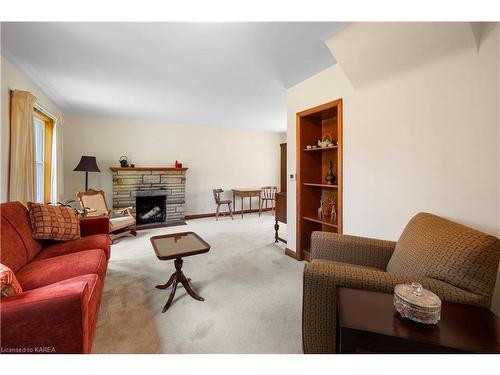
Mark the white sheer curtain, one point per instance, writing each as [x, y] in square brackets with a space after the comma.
[22, 147]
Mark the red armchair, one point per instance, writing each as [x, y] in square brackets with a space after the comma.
[62, 284]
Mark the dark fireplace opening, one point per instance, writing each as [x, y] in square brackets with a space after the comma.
[151, 209]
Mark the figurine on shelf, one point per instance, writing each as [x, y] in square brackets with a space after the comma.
[326, 141]
[320, 209]
[330, 177]
[333, 212]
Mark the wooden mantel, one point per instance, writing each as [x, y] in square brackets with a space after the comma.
[166, 169]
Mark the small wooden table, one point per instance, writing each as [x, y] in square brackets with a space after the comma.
[176, 246]
[368, 323]
[242, 193]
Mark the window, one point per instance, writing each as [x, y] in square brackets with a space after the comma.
[44, 157]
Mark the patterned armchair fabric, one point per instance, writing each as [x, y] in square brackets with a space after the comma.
[431, 246]
[357, 262]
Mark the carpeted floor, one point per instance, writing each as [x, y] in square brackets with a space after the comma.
[252, 291]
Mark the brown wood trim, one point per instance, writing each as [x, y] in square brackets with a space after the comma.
[319, 108]
[116, 169]
[47, 157]
[291, 253]
[306, 256]
[340, 167]
[201, 216]
[321, 185]
[320, 149]
[298, 210]
[212, 214]
[319, 221]
[47, 178]
[42, 116]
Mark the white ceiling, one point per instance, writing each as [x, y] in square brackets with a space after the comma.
[214, 74]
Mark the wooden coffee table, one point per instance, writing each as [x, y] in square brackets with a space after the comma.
[177, 246]
[368, 323]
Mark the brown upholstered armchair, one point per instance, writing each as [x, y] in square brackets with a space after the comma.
[457, 263]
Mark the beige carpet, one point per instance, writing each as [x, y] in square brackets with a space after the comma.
[252, 291]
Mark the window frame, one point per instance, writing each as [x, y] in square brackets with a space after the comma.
[48, 136]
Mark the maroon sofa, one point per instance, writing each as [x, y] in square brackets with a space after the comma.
[62, 284]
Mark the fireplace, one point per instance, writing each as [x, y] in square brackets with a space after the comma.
[170, 183]
[151, 209]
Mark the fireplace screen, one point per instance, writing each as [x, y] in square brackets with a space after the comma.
[151, 209]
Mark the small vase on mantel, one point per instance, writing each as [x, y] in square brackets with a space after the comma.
[330, 177]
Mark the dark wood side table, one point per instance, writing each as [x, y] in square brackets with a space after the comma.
[177, 246]
[368, 323]
[279, 215]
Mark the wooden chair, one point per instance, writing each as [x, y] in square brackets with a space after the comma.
[218, 202]
[119, 226]
[268, 194]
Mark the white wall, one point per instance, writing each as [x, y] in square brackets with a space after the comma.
[13, 79]
[426, 139]
[216, 157]
[495, 306]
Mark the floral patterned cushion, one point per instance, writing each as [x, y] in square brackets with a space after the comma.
[9, 285]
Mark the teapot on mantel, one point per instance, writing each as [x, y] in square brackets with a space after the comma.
[123, 161]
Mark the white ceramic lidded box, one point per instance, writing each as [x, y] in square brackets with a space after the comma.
[416, 303]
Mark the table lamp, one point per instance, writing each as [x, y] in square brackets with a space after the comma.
[87, 164]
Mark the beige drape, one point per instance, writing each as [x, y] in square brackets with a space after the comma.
[22, 147]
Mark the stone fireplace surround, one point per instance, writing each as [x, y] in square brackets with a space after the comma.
[129, 183]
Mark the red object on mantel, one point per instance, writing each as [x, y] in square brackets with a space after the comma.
[177, 164]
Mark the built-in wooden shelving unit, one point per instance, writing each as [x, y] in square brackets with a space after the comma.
[312, 166]
[320, 149]
[319, 221]
[321, 185]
